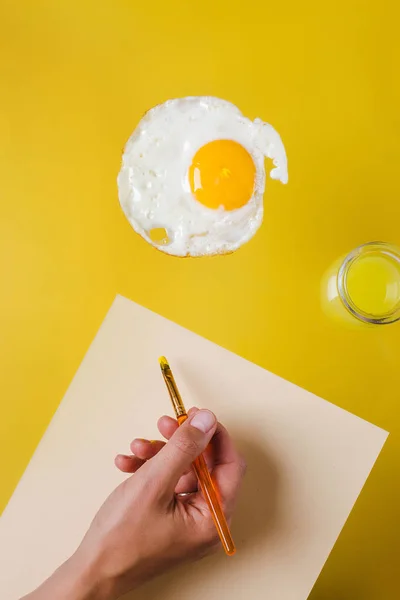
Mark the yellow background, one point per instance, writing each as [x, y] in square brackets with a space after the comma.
[75, 79]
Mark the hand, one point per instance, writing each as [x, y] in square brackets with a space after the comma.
[145, 526]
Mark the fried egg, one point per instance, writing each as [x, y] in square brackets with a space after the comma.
[192, 178]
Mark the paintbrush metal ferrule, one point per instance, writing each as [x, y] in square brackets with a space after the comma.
[173, 391]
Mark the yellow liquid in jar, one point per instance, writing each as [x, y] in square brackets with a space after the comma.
[373, 284]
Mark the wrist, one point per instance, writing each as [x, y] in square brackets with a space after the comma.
[74, 580]
[87, 579]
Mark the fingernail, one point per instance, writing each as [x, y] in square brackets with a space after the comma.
[203, 420]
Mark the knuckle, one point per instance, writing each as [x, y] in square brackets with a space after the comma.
[187, 446]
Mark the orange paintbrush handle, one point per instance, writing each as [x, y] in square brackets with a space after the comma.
[210, 495]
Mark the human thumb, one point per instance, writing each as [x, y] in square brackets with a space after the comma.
[187, 443]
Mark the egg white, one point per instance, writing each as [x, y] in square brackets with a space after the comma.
[153, 183]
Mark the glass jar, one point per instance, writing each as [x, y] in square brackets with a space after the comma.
[364, 286]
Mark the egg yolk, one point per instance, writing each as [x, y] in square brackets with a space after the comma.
[222, 174]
